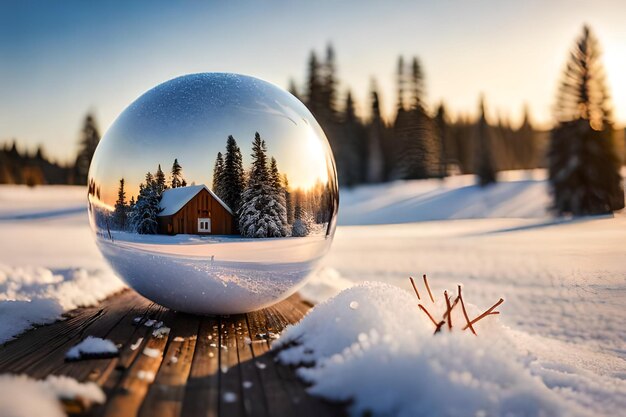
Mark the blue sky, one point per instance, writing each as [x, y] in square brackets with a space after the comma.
[59, 60]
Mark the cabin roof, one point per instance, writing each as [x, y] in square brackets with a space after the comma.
[174, 199]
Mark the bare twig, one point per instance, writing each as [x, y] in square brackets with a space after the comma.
[415, 288]
[428, 314]
[456, 301]
[448, 309]
[428, 289]
[485, 314]
[469, 324]
[439, 326]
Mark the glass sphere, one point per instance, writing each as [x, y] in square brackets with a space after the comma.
[214, 194]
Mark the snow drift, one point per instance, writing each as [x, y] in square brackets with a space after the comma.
[37, 295]
[518, 194]
[21, 396]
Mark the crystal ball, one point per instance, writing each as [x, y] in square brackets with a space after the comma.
[214, 193]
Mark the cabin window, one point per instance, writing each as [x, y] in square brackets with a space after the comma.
[204, 225]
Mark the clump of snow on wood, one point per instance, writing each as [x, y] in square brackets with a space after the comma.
[21, 396]
[92, 347]
[382, 355]
[37, 295]
[161, 332]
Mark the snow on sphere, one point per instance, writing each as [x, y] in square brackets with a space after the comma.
[214, 193]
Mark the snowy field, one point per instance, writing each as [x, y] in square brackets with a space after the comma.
[558, 346]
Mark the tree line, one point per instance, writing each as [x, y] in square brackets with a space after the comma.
[141, 215]
[37, 168]
[415, 144]
[582, 158]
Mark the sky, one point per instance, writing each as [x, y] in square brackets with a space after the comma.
[59, 60]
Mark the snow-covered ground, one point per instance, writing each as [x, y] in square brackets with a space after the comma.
[519, 194]
[564, 282]
[49, 262]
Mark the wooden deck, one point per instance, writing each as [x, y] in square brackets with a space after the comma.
[206, 366]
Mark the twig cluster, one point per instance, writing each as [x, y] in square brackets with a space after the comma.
[447, 315]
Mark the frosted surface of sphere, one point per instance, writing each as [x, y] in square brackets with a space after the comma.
[214, 194]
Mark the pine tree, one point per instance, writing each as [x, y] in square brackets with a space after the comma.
[375, 162]
[120, 214]
[160, 182]
[417, 84]
[400, 80]
[484, 164]
[279, 192]
[315, 89]
[218, 172]
[288, 200]
[303, 222]
[417, 145]
[583, 164]
[233, 176]
[526, 142]
[177, 174]
[260, 214]
[353, 162]
[144, 216]
[441, 127]
[89, 139]
[329, 85]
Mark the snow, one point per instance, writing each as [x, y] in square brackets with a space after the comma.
[173, 199]
[372, 346]
[49, 262]
[21, 396]
[519, 194]
[92, 347]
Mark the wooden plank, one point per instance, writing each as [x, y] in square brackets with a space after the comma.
[231, 396]
[122, 335]
[202, 389]
[38, 355]
[187, 373]
[165, 395]
[129, 394]
[276, 395]
[254, 399]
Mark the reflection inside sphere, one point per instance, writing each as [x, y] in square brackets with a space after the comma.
[214, 193]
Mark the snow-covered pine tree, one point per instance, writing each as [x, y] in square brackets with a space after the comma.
[260, 214]
[583, 164]
[144, 219]
[120, 214]
[288, 200]
[177, 174]
[279, 191]
[484, 164]
[233, 178]
[218, 172]
[159, 180]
